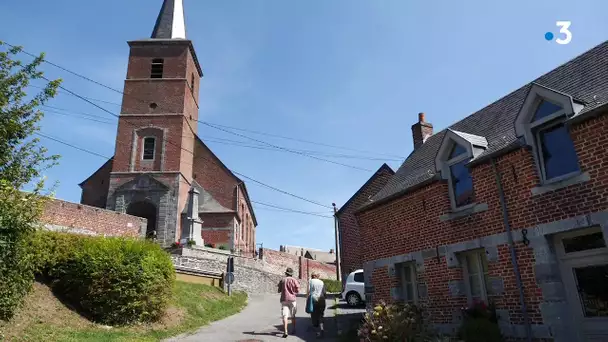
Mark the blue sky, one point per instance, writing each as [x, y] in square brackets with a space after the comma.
[343, 72]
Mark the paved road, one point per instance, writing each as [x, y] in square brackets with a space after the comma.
[261, 321]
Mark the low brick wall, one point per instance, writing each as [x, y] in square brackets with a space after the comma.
[325, 271]
[279, 261]
[252, 275]
[78, 218]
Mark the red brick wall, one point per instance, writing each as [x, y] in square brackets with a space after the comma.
[78, 217]
[217, 237]
[217, 220]
[149, 165]
[124, 140]
[95, 188]
[280, 261]
[213, 177]
[176, 110]
[302, 267]
[350, 248]
[325, 271]
[246, 238]
[411, 223]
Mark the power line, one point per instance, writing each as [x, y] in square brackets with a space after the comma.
[79, 116]
[88, 98]
[106, 157]
[66, 70]
[284, 148]
[304, 141]
[225, 126]
[181, 148]
[291, 210]
[219, 140]
[70, 145]
[68, 112]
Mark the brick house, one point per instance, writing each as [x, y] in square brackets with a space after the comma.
[351, 257]
[508, 205]
[161, 169]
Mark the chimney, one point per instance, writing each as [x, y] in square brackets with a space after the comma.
[421, 131]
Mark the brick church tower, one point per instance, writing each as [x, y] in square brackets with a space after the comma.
[158, 154]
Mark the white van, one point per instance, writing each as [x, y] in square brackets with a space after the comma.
[354, 289]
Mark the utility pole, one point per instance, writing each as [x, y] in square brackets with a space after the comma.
[338, 269]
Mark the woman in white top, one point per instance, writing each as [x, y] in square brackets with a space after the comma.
[317, 292]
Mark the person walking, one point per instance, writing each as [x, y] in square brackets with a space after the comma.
[317, 293]
[289, 287]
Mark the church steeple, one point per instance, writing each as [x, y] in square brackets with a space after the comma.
[170, 23]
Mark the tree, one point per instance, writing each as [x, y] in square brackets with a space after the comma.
[22, 161]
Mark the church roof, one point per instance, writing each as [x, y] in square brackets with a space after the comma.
[170, 23]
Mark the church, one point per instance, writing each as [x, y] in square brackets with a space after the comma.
[161, 169]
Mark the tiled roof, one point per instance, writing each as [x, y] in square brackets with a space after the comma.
[384, 167]
[585, 78]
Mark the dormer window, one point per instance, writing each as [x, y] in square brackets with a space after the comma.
[461, 182]
[542, 122]
[149, 147]
[456, 151]
[156, 70]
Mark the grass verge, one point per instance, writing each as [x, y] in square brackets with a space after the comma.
[45, 318]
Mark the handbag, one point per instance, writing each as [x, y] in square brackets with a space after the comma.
[309, 304]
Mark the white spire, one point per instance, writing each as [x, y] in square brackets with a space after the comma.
[170, 23]
[179, 24]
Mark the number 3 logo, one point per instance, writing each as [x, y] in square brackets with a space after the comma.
[564, 29]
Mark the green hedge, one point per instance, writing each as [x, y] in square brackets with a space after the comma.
[113, 280]
[332, 286]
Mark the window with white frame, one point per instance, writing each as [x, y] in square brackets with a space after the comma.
[149, 147]
[407, 279]
[475, 268]
[542, 121]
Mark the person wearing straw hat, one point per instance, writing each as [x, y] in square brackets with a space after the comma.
[289, 287]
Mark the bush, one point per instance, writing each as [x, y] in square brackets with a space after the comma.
[113, 280]
[396, 322]
[18, 211]
[332, 286]
[46, 250]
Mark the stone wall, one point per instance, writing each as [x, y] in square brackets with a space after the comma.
[83, 219]
[251, 275]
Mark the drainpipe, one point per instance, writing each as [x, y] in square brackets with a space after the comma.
[505, 217]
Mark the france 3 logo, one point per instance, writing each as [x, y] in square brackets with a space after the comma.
[564, 29]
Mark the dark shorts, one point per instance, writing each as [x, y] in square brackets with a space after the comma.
[318, 312]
